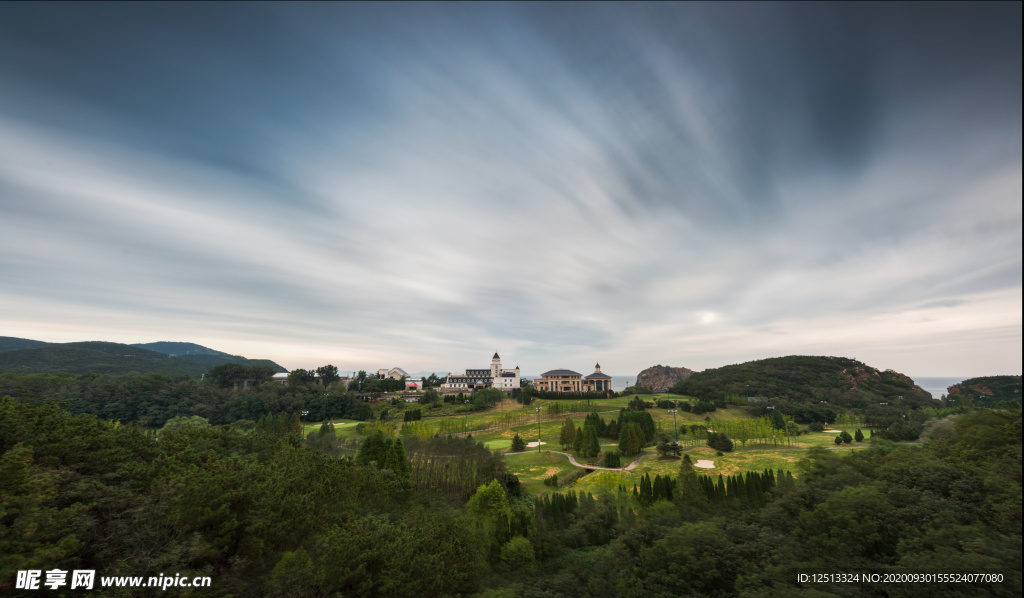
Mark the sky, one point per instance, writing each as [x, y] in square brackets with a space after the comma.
[421, 185]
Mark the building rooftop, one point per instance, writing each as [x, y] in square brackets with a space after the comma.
[561, 373]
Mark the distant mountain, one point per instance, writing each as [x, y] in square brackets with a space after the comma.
[10, 343]
[114, 358]
[661, 377]
[173, 348]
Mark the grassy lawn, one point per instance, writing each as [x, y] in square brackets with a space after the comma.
[499, 443]
[533, 467]
[342, 427]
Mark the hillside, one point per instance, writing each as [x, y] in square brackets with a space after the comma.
[840, 381]
[10, 343]
[113, 358]
[994, 388]
[661, 377]
[177, 348]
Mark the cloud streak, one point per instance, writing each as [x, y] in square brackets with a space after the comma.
[690, 184]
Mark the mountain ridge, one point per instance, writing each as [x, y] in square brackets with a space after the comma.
[26, 356]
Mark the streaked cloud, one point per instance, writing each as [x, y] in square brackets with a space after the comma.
[693, 184]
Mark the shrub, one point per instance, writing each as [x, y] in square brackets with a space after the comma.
[720, 442]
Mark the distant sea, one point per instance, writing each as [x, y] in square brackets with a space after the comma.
[938, 386]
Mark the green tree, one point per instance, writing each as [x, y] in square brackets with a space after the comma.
[517, 554]
[226, 375]
[430, 396]
[518, 444]
[859, 436]
[591, 445]
[483, 399]
[328, 375]
[567, 437]
[666, 449]
[631, 439]
[489, 505]
[395, 460]
[301, 377]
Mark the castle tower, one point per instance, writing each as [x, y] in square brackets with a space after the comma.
[495, 366]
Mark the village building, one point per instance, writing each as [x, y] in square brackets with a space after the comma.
[570, 381]
[495, 377]
[394, 373]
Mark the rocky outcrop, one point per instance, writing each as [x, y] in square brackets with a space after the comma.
[662, 377]
[863, 373]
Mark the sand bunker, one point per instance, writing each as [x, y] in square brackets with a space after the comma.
[534, 444]
[832, 431]
[704, 464]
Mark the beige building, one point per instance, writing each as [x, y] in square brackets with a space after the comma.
[570, 381]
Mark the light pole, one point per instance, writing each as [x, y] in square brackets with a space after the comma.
[465, 418]
[886, 415]
[674, 427]
[304, 414]
[538, 429]
[901, 408]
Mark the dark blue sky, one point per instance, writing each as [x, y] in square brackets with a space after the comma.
[420, 184]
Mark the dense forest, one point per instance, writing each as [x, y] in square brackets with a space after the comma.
[264, 514]
[152, 399]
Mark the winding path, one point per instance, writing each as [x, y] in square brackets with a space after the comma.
[585, 466]
[636, 461]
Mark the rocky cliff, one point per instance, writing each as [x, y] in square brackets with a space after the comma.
[661, 377]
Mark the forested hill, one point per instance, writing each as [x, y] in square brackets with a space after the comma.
[175, 348]
[10, 343]
[95, 357]
[840, 381]
[994, 388]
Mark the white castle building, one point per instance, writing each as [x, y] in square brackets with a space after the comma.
[495, 377]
